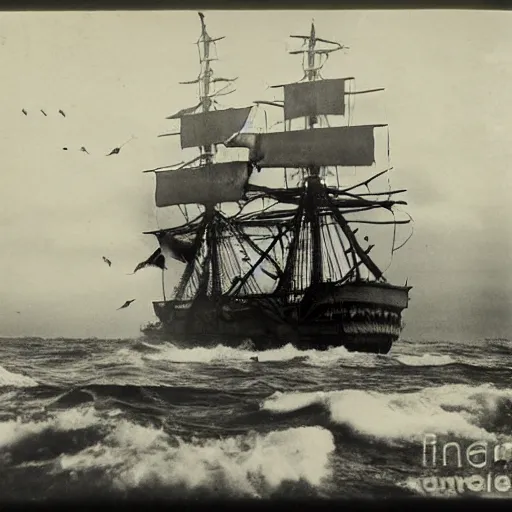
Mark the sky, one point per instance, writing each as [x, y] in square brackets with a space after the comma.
[448, 102]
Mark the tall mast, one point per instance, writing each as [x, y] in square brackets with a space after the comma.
[314, 185]
[319, 220]
[207, 154]
[205, 82]
[203, 127]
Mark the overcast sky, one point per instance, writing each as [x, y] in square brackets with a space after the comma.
[448, 102]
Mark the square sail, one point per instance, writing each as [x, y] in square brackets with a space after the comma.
[213, 127]
[214, 183]
[344, 146]
[321, 97]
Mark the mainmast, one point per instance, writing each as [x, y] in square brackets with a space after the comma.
[315, 187]
[323, 245]
[314, 184]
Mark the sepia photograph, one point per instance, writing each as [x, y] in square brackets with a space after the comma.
[255, 254]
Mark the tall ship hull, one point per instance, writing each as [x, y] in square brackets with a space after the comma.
[287, 264]
[363, 317]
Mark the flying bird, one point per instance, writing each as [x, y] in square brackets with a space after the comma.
[62, 113]
[44, 113]
[107, 261]
[24, 111]
[365, 239]
[84, 150]
[116, 150]
[126, 304]
[64, 149]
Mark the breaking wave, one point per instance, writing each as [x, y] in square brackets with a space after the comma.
[17, 380]
[466, 411]
[14, 431]
[333, 356]
[254, 464]
[128, 455]
[221, 353]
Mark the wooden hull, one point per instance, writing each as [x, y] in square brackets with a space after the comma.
[362, 317]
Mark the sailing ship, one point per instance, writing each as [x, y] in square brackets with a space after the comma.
[286, 265]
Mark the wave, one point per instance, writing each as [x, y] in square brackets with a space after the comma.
[471, 412]
[14, 431]
[426, 360]
[220, 353]
[126, 455]
[17, 380]
[338, 356]
[134, 456]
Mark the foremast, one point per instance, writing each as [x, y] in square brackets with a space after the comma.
[202, 181]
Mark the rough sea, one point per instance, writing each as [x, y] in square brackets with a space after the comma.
[132, 419]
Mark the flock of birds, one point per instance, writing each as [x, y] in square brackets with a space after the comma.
[114, 151]
[61, 112]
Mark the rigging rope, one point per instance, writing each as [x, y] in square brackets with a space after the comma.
[409, 237]
[330, 264]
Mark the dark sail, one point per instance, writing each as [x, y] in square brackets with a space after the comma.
[212, 127]
[321, 97]
[213, 183]
[343, 146]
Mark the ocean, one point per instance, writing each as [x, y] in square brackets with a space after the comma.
[133, 419]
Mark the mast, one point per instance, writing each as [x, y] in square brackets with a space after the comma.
[323, 246]
[207, 154]
[202, 181]
[205, 82]
[314, 184]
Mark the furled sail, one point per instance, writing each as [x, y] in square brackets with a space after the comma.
[344, 146]
[213, 183]
[213, 127]
[321, 97]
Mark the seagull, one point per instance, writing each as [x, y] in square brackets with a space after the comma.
[107, 261]
[115, 151]
[62, 113]
[84, 150]
[126, 304]
[24, 111]
[44, 113]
